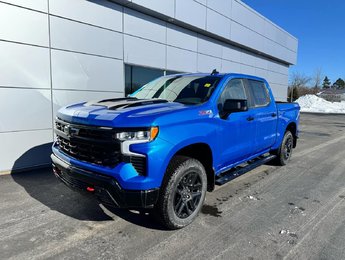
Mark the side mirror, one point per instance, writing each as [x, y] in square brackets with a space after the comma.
[235, 105]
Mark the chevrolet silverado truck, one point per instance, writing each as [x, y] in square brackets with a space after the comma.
[175, 138]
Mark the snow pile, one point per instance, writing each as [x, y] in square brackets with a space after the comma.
[312, 103]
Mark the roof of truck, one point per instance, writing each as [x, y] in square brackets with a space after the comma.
[220, 75]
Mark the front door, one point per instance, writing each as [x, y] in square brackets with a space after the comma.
[236, 131]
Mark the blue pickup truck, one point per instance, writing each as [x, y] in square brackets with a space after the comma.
[174, 139]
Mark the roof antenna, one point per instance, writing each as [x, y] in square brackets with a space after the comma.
[214, 72]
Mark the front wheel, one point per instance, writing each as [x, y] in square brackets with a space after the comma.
[285, 150]
[182, 193]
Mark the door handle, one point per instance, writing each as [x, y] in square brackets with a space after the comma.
[274, 114]
[250, 118]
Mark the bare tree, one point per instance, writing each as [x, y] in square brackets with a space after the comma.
[297, 81]
[317, 78]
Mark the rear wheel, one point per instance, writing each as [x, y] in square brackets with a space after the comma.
[183, 192]
[285, 150]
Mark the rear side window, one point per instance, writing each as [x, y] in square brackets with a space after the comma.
[259, 93]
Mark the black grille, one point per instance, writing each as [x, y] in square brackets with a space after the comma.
[90, 144]
[97, 133]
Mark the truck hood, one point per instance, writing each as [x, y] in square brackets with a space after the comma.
[121, 112]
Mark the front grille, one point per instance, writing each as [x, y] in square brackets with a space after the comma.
[97, 133]
[90, 144]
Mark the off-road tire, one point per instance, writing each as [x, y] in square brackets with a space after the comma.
[284, 152]
[179, 176]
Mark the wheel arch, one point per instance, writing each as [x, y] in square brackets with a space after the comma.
[203, 153]
[292, 127]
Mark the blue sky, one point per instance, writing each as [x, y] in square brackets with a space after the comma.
[320, 28]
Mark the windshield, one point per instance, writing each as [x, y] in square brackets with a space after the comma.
[182, 89]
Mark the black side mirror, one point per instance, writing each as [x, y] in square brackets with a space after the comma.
[232, 106]
[235, 105]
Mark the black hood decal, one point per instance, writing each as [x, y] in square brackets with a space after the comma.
[121, 103]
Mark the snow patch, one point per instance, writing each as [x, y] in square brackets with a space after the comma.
[312, 103]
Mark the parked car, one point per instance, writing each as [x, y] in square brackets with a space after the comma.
[174, 139]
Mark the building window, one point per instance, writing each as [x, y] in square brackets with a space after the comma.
[136, 77]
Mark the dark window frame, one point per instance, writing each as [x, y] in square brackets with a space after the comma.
[251, 99]
[227, 85]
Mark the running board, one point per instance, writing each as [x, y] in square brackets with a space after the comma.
[238, 171]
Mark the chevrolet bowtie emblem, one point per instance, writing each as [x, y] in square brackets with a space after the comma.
[69, 130]
[66, 129]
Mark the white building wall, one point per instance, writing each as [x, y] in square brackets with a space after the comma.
[58, 52]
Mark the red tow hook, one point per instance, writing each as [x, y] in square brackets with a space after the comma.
[90, 189]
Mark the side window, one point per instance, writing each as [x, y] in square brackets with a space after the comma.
[234, 89]
[259, 93]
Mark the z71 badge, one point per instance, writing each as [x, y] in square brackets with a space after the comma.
[205, 112]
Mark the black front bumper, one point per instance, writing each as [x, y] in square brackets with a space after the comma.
[105, 188]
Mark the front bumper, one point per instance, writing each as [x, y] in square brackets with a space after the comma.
[105, 188]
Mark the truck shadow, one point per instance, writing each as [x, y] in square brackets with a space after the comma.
[143, 217]
[42, 185]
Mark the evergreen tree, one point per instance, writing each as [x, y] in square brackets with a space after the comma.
[326, 83]
[340, 84]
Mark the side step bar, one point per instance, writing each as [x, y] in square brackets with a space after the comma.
[238, 171]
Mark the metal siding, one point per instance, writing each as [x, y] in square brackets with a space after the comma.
[31, 28]
[24, 66]
[78, 37]
[144, 26]
[101, 13]
[85, 72]
[191, 12]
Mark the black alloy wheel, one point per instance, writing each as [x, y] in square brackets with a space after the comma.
[187, 195]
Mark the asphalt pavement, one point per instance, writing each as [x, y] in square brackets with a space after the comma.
[291, 212]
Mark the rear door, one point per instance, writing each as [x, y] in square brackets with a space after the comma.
[265, 114]
[237, 131]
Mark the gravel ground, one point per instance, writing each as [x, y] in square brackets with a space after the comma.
[292, 212]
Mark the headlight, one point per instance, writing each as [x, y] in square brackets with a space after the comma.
[146, 135]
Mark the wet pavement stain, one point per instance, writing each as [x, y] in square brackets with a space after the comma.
[342, 196]
[211, 210]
